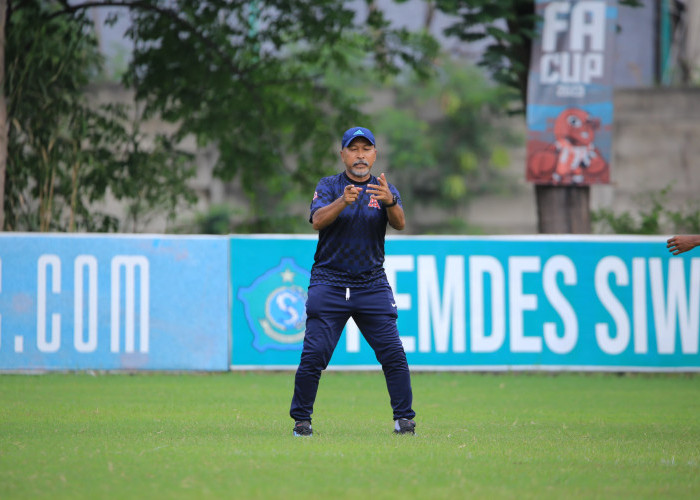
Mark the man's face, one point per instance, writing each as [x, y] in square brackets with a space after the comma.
[359, 157]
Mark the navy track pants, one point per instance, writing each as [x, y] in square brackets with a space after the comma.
[328, 309]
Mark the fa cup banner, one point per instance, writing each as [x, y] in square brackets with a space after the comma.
[570, 93]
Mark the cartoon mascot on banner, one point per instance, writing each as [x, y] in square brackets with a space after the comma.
[573, 157]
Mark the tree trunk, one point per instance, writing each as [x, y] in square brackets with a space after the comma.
[429, 16]
[563, 209]
[3, 114]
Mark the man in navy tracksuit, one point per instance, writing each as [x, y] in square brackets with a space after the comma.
[351, 210]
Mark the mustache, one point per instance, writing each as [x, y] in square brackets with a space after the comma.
[360, 162]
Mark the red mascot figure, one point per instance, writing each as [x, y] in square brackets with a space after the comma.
[572, 158]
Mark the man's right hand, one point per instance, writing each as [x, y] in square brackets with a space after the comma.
[325, 216]
[351, 194]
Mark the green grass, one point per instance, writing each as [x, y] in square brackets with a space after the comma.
[229, 436]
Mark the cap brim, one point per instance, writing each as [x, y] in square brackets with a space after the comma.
[347, 143]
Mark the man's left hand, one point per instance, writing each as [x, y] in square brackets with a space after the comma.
[381, 191]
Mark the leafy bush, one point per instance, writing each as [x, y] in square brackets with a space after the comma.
[654, 217]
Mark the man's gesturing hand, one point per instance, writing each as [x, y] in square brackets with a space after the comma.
[350, 194]
[381, 192]
[682, 243]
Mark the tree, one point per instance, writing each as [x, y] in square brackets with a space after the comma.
[3, 114]
[248, 77]
[262, 94]
[64, 154]
[443, 160]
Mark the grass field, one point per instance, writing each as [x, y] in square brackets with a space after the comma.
[229, 436]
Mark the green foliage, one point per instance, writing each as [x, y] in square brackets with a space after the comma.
[217, 220]
[225, 219]
[685, 221]
[653, 217]
[248, 77]
[65, 155]
[509, 25]
[453, 225]
[270, 83]
[445, 159]
[263, 81]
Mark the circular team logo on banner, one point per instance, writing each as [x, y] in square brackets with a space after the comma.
[285, 312]
[275, 306]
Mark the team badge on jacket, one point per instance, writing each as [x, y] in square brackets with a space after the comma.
[275, 306]
[373, 203]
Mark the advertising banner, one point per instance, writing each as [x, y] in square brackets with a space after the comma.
[77, 302]
[570, 93]
[488, 303]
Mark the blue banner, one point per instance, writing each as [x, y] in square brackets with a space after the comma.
[520, 303]
[570, 92]
[75, 302]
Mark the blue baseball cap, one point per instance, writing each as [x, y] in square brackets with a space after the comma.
[354, 133]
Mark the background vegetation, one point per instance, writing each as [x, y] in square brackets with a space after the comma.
[269, 84]
[249, 78]
[655, 215]
[65, 154]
